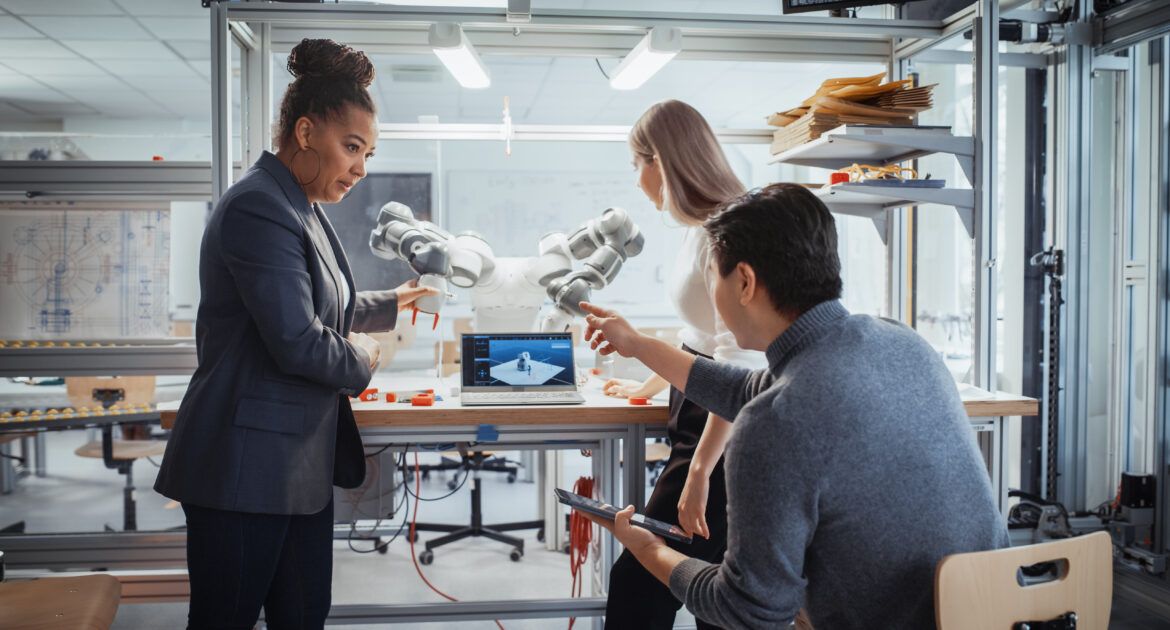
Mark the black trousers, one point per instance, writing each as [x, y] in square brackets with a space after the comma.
[637, 600]
[240, 562]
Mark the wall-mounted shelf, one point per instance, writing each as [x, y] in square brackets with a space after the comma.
[850, 144]
[847, 144]
[872, 202]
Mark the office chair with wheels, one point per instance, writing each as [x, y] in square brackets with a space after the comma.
[474, 463]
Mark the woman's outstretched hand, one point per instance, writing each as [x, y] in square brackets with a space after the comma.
[409, 291]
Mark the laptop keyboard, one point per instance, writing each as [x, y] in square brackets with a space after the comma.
[504, 398]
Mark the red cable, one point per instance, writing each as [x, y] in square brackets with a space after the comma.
[580, 535]
[413, 535]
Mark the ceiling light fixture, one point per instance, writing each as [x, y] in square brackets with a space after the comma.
[456, 52]
[655, 50]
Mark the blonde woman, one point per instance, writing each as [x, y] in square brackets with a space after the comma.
[682, 170]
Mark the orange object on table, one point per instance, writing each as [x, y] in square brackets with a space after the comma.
[838, 178]
[639, 400]
[369, 395]
[595, 371]
[423, 400]
[391, 397]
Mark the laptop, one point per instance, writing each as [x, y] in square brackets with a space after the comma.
[518, 369]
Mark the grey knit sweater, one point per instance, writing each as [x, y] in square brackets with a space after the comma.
[851, 471]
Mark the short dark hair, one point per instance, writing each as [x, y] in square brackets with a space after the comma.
[328, 77]
[788, 237]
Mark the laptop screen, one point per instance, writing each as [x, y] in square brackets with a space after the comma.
[518, 362]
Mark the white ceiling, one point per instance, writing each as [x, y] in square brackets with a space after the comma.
[150, 58]
[107, 58]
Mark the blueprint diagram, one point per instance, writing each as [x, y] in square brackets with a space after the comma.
[84, 274]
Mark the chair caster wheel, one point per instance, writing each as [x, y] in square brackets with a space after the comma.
[516, 555]
[383, 547]
[540, 534]
[511, 478]
[412, 537]
[426, 557]
[451, 485]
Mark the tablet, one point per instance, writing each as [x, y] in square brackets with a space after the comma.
[607, 511]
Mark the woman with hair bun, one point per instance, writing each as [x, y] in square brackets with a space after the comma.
[265, 429]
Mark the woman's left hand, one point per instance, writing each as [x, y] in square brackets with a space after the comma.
[692, 504]
[410, 291]
[638, 540]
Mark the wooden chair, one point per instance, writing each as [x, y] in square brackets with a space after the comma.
[105, 392]
[89, 602]
[123, 455]
[985, 590]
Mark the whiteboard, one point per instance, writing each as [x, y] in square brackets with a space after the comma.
[513, 209]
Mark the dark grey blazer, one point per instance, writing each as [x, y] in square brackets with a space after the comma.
[265, 425]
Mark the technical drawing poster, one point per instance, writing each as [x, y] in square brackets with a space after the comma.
[84, 274]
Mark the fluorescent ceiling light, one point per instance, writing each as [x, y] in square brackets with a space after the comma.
[482, 4]
[453, 49]
[657, 48]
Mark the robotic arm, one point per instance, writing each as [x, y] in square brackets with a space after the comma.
[434, 254]
[605, 243]
[508, 284]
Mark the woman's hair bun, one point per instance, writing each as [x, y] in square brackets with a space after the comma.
[326, 58]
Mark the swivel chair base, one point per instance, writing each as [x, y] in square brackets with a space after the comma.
[477, 529]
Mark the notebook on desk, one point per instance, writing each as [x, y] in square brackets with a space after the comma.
[518, 369]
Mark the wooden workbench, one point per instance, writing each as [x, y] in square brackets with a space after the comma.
[598, 409]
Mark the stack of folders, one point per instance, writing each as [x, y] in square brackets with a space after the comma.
[849, 101]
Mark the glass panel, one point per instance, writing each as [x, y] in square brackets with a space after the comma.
[944, 284]
[698, 8]
[1103, 291]
[1138, 380]
[575, 91]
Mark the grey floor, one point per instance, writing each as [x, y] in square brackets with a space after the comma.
[81, 495]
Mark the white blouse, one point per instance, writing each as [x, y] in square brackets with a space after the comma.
[344, 294]
[691, 289]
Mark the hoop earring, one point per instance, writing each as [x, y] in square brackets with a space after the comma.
[315, 176]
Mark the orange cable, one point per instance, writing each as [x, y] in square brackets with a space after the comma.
[413, 535]
[580, 536]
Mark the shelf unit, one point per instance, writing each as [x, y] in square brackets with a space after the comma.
[851, 144]
[872, 202]
[82, 185]
[126, 359]
[78, 180]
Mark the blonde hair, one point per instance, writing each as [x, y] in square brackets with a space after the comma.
[696, 178]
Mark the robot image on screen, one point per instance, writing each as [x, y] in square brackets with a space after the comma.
[507, 293]
[526, 369]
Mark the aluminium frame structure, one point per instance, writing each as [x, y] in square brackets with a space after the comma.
[258, 29]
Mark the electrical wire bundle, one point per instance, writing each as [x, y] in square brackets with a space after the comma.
[580, 536]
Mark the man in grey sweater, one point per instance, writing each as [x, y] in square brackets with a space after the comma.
[852, 469]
